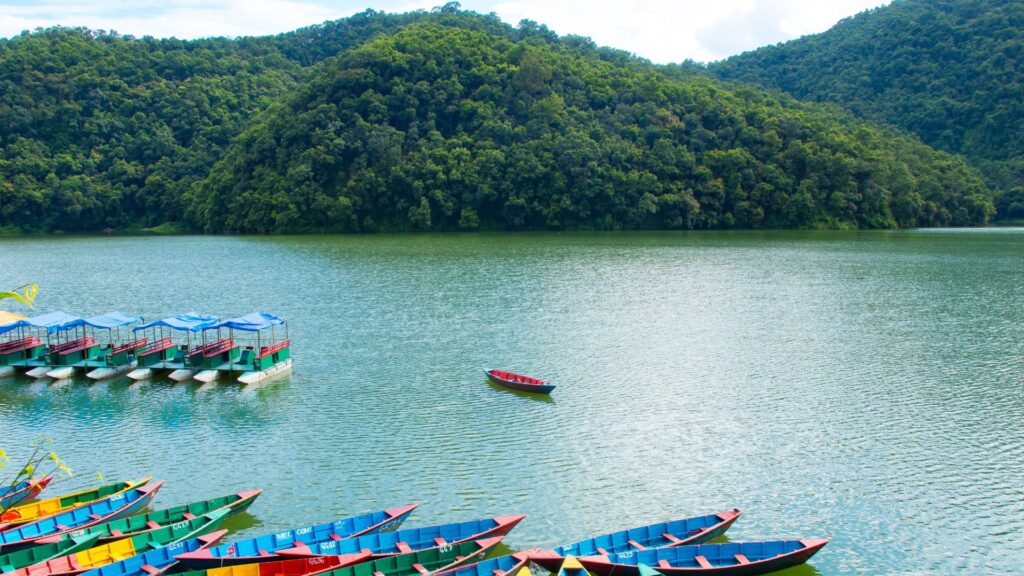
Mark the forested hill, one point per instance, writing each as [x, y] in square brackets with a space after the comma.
[432, 121]
[950, 71]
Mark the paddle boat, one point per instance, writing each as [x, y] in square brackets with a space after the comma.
[142, 523]
[681, 532]
[519, 382]
[78, 562]
[508, 565]
[107, 356]
[23, 491]
[168, 345]
[255, 347]
[12, 344]
[35, 338]
[408, 540]
[732, 559]
[21, 525]
[266, 548]
[159, 561]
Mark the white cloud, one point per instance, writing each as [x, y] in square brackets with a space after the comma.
[661, 30]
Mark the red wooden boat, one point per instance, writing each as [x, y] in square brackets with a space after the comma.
[519, 382]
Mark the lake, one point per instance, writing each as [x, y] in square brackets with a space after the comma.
[867, 387]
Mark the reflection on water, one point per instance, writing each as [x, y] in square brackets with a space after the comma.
[860, 386]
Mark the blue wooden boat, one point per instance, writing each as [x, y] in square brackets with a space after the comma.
[96, 512]
[409, 540]
[682, 532]
[22, 491]
[266, 548]
[732, 559]
[508, 565]
[159, 561]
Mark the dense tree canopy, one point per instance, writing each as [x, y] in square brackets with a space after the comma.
[950, 71]
[436, 120]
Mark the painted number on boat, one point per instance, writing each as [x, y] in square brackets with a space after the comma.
[625, 554]
[117, 497]
[328, 545]
[284, 535]
[317, 560]
[443, 549]
[305, 530]
[176, 546]
[179, 525]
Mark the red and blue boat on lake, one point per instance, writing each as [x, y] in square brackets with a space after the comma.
[268, 547]
[732, 559]
[519, 382]
[409, 540]
[118, 505]
[158, 561]
[681, 532]
[508, 565]
[22, 491]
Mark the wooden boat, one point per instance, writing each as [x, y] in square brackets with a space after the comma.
[142, 523]
[23, 491]
[681, 532]
[265, 548]
[158, 561]
[293, 567]
[422, 563]
[409, 540]
[519, 382]
[118, 550]
[732, 559]
[508, 565]
[41, 509]
[571, 567]
[43, 552]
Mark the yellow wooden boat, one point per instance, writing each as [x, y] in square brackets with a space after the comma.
[34, 511]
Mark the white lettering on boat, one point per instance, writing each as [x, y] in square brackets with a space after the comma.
[176, 545]
[625, 554]
[179, 525]
[443, 549]
[327, 545]
[283, 535]
[305, 530]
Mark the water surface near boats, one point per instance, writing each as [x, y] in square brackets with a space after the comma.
[863, 386]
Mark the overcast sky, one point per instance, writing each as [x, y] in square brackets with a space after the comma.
[663, 31]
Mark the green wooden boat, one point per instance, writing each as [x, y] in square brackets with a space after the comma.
[135, 525]
[43, 552]
[118, 550]
[420, 563]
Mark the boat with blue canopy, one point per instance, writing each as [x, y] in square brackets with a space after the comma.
[26, 340]
[105, 350]
[167, 343]
[255, 346]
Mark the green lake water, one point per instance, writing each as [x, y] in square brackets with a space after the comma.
[867, 387]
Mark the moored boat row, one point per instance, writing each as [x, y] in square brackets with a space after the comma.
[100, 532]
[56, 345]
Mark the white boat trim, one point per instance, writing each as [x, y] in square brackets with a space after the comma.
[61, 373]
[38, 372]
[110, 371]
[207, 376]
[141, 373]
[181, 375]
[275, 370]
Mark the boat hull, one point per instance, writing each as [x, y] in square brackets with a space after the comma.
[207, 376]
[141, 374]
[181, 375]
[718, 559]
[61, 373]
[278, 369]
[38, 372]
[521, 386]
[6, 371]
[109, 372]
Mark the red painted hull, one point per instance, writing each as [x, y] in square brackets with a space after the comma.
[519, 382]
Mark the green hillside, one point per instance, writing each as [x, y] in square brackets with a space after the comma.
[437, 120]
[950, 71]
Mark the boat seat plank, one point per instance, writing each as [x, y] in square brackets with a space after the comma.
[602, 551]
[403, 547]
[148, 569]
[188, 516]
[741, 559]
[152, 524]
[671, 538]
[664, 564]
[421, 569]
[335, 537]
[636, 545]
[440, 541]
[702, 561]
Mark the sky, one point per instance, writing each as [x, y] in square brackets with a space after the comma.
[662, 31]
